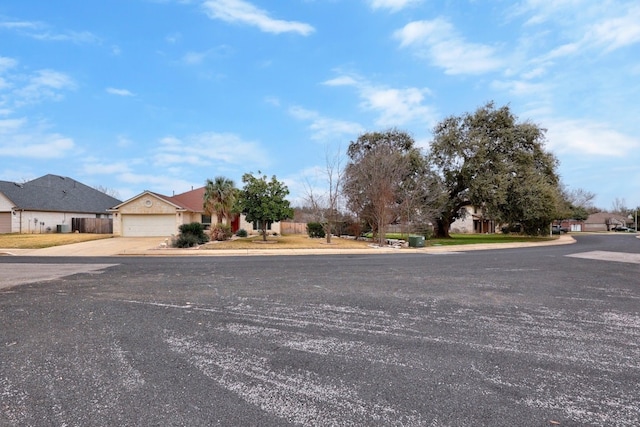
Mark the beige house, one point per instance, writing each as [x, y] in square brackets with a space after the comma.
[474, 221]
[605, 221]
[151, 214]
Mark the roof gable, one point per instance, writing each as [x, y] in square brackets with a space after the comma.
[57, 194]
[191, 200]
[148, 195]
[605, 217]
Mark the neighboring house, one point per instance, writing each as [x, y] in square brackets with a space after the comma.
[154, 215]
[570, 224]
[604, 221]
[48, 204]
[474, 221]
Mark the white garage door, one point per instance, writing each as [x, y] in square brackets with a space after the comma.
[148, 225]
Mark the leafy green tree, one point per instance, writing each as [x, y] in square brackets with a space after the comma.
[380, 180]
[491, 159]
[263, 201]
[220, 197]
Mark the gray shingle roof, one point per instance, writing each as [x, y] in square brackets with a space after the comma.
[57, 194]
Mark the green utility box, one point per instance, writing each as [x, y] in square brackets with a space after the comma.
[416, 241]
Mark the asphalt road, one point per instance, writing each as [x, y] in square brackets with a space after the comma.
[527, 337]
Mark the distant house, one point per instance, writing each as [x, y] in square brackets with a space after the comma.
[604, 221]
[151, 214]
[474, 221]
[48, 204]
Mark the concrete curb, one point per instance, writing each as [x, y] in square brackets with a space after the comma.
[113, 247]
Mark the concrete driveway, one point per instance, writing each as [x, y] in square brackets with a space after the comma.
[102, 247]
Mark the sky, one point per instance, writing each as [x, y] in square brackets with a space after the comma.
[160, 95]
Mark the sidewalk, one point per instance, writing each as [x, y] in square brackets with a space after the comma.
[151, 246]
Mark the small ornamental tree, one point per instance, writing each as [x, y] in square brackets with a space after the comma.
[263, 201]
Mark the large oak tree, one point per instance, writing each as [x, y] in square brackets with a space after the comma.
[491, 159]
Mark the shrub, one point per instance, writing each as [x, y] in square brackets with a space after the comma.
[514, 228]
[242, 233]
[221, 232]
[355, 229]
[315, 229]
[185, 241]
[191, 234]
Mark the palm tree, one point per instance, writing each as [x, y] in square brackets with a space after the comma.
[219, 198]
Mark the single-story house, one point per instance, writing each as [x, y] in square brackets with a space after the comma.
[605, 221]
[48, 204]
[151, 214]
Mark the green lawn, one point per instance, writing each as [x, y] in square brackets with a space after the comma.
[472, 239]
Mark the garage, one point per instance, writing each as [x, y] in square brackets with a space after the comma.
[154, 225]
[5, 222]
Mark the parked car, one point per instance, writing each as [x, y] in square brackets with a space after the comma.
[556, 229]
[620, 228]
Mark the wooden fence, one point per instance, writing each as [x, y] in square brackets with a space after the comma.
[288, 227]
[92, 225]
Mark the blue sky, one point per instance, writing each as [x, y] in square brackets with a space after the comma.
[160, 95]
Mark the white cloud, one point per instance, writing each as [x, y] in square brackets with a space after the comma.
[588, 138]
[173, 38]
[246, 13]
[165, 181]
[20, 25]
[272, 100]
[194, 58]
[342, 81]
[162, 183]
[44, 84]
[584, 25]
[123, 141]
[393, 5]
[617, 32]
[79, 37]
[119, 92]
[521, 87]
[439, 42]
[7, 63]
[325, 128]
[21, 139]
[41, 31]
[95, 167]
[397, 107]
[10, 126]
[394, 106]
[209, 148]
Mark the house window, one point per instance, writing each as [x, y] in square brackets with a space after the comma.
[256, 226]
[206, 219]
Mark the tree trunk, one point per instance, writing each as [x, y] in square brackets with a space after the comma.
[382, 233]
[264, 231]
[442, 228]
